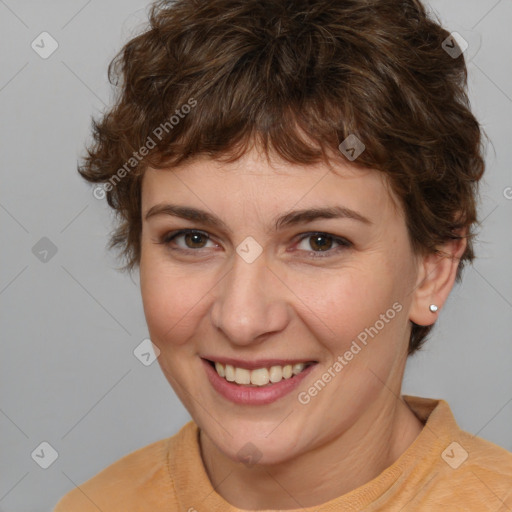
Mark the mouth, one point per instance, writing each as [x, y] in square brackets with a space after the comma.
[264, 376]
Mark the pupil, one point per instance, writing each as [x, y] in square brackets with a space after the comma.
[321, 245]
[195, 237]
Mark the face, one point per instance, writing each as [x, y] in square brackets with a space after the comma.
[259, 293]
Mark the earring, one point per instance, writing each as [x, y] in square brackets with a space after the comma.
[433, 308]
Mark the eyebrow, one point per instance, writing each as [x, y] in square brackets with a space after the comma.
[290, 219]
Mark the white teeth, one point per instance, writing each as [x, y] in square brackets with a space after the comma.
[220, 369]
[276, 373]
[242, 376]
[297, 368]
[259, 376]
[230, 373]
[287, 371]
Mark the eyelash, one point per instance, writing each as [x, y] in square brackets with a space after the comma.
[344, 244]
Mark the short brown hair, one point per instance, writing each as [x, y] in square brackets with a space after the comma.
[282, 71]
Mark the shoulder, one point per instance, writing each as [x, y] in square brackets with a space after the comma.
[454, 468]
[483, 459]
[138, 481]
[476, 473]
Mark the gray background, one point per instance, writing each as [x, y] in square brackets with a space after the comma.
[69, 325]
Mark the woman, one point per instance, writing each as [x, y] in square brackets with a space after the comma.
[296, 182]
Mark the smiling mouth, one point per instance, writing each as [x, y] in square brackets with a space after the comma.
[259, 377]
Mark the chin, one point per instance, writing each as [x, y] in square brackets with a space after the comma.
[247, 444]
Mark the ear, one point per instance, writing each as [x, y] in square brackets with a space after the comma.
[436, 276]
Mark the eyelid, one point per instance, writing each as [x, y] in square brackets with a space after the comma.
[172, 235]
[342, 241]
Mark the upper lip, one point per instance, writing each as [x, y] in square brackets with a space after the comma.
[253, 364]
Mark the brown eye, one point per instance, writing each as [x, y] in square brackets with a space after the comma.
[323, 243]
[193, 240]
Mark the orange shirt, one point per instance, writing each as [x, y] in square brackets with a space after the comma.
[444, 469]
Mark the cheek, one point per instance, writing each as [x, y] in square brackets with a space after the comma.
[343, 303]
[172, 301]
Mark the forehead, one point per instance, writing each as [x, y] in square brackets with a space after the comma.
[267, 188]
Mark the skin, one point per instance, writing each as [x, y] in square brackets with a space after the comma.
[288, 304]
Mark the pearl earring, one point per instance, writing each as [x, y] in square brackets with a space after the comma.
[433, 308]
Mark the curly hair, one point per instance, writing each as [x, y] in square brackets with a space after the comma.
[297, 76]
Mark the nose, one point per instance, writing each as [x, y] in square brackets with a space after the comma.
[250, 302]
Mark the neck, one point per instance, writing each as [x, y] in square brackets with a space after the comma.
[360, 454]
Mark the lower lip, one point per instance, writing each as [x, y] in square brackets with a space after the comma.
[252, 395]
